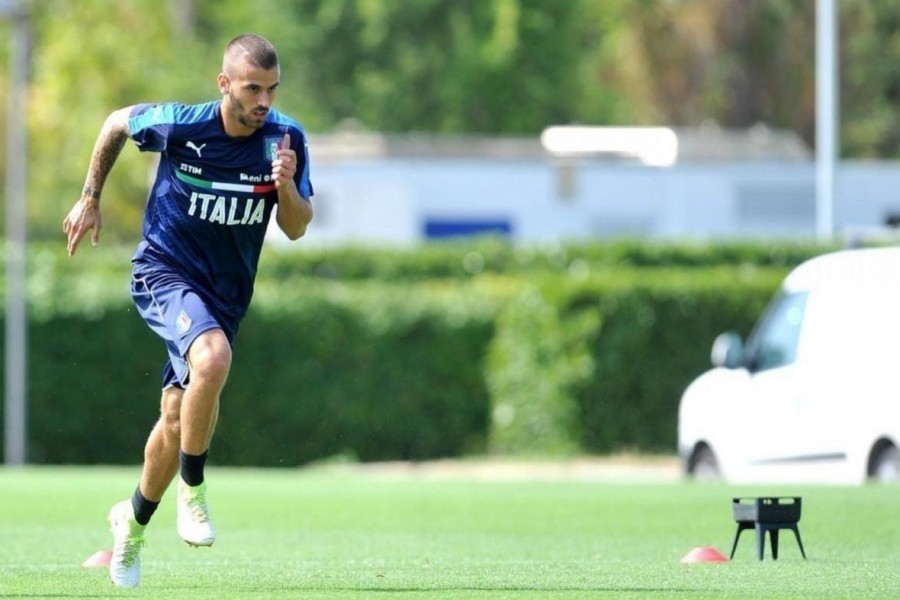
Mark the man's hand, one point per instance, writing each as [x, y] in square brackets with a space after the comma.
[84, 216]
[294, 212]
[284, 167]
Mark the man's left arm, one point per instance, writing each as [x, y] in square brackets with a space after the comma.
[294, 212]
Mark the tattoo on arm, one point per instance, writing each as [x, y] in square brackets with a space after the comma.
[109, 145]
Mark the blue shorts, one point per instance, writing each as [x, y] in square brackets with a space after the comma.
[174, 309]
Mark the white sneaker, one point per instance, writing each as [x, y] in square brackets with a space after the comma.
[128, 538]
[194, 525]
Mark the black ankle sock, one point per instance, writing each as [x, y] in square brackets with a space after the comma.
[143, 508]
[192, 467]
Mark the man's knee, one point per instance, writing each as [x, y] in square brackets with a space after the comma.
[210, 356]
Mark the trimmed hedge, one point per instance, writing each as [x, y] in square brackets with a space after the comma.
[473, 257]
[375, 373]
[656, 337]
[539, 357]
[599, 364]
[586, 357]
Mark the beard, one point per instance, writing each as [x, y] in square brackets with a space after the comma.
[245, 117]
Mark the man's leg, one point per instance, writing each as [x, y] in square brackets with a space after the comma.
[161, 451]
[209, 358]
[129, 517]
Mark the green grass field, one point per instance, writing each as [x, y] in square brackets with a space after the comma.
[322, 533]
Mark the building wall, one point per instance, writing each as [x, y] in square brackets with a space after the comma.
[403, 201]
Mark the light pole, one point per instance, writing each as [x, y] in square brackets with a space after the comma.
[15, 406]
[827, 110]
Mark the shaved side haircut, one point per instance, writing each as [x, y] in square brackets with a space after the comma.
[257, 50]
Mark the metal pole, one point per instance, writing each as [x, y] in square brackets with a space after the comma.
[827, 120]
[16, 417]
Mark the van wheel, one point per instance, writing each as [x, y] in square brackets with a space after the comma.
[886, 465]
[703, 465]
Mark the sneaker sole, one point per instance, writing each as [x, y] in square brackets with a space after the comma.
[201, 543]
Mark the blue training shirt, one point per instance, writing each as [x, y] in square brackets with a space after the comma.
[210, 205]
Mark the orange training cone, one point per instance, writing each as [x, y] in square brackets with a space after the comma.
[704, 554]
[100, 558]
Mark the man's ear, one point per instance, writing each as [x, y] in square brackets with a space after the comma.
[223, 82]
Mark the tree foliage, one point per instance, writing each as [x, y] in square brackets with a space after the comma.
[488, 66]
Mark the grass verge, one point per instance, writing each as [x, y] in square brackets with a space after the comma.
[320, 533]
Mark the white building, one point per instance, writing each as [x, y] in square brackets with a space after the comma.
[376, 189]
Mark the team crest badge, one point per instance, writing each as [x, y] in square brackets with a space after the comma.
[183, 322]
[272, 143]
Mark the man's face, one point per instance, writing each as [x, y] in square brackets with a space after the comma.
[249, 93]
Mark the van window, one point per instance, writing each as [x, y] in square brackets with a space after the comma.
[774, 341]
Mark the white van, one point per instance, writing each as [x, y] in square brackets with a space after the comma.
[814, 394]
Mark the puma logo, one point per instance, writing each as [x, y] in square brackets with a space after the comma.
[195, 148]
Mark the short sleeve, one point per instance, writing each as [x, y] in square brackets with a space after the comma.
[150, 126]
[301, 178]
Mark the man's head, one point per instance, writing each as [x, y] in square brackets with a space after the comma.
[248, 82]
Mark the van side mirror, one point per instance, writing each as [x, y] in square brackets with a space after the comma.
[728, 351]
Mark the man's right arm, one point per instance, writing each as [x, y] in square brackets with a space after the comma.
[85, 215]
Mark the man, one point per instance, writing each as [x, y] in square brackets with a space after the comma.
[224, 166]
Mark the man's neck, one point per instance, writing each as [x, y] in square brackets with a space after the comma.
[232, 126]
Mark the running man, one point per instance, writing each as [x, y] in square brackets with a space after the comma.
[224, 166]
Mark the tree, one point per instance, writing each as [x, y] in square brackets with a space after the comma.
[870, 87]
[736, 62]
[449, 66]
[91, 58]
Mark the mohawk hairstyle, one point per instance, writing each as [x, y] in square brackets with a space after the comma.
[256, 49]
